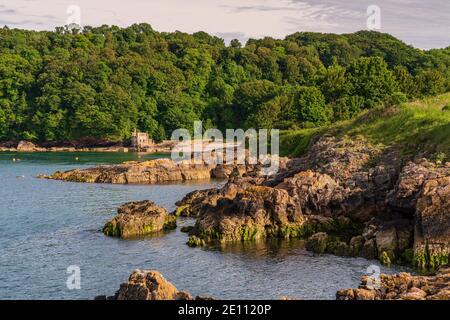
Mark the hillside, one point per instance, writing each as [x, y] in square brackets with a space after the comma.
[418, 127]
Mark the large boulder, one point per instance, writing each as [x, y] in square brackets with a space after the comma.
[253, 213]
[146, 285]
[139, 219]
[149, 285]
[26, 146]
[314, 191]
[422, 194]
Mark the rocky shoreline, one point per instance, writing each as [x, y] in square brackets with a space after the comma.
[151, 285]
[82, 146]
[344, 197]
[402, 286]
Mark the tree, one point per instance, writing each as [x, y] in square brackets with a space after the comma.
[370, 79]
[249, 96]
[106, 81]
[311, 107]
[405, 81]
[430, 82]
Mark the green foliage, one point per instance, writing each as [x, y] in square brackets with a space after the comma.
[396, 99]
[310, 106]
[347, 107]
[371, 79]
[105, 81]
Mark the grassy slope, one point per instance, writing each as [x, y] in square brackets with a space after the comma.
[417, 127]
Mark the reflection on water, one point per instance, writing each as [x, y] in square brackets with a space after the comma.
[48, 226]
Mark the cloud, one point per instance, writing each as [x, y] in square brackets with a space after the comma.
[424, 24]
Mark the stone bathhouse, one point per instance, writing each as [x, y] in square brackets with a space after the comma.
[141, 140]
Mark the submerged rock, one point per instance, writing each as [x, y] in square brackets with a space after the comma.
[139, 219]
[402, 286]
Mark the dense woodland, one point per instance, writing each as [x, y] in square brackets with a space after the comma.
[105, 81]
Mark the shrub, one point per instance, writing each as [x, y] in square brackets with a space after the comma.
[396, 99]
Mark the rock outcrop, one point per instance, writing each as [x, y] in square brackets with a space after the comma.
[134, 172]
[402, 286]
[139, 219]
[432, 224]
[149, 285]
[146, 285]
[422, 195]
[254, 213]
[351, 198]
[190, 205]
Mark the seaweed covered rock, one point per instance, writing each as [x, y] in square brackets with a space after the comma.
[402, 286]
[317, 242]
[254, 213]
[139, 219]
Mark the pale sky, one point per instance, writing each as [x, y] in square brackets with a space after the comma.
[424, 24]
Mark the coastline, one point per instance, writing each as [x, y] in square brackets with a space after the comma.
[27, 147]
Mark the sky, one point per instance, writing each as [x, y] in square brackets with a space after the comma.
[423, 24]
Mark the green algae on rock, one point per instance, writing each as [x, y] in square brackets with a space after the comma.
[139, 219]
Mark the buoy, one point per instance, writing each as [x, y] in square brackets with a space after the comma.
[76, 158]
[14, 159]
